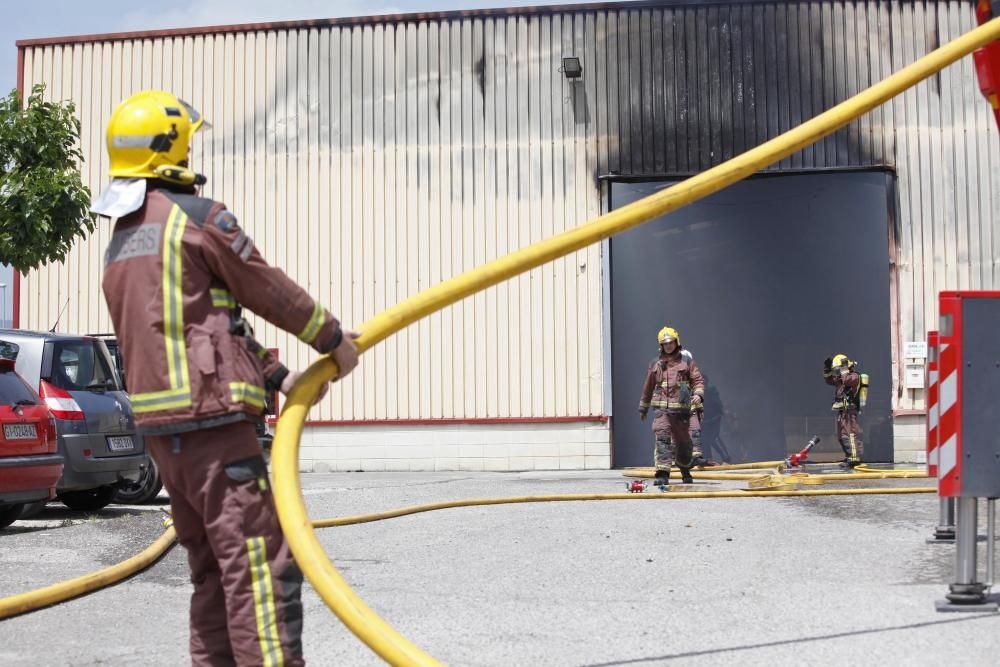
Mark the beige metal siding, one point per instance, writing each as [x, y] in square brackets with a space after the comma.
[374, 160]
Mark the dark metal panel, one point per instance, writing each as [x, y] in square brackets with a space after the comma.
[658, 89]
[841, 59]
[802, 28]
[626, 149]
[782, 83]
[603, 94]
[726, 95]
[738, 91]
[713, 91]
[678, 18]
[816, 69]
[635, 83]
[697, 129]
[980, 387]
[794, 80]
[774, 93]
[644, 54]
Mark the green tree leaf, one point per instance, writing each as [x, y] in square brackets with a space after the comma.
[44, 206]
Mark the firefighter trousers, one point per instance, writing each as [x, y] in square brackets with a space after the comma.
[673, 442]
[849, 434]
[246, 607]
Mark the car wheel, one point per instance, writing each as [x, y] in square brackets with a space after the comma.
[142, 490]
[9, 514]
[89, 499]
[33, 509]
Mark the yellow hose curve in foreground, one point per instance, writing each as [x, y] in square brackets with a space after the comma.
[73, 588]
[88, 583]
[376, 633]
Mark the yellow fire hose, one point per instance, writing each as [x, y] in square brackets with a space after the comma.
[864, 467]
[376, 633]
[23, 603]
[731, 466]
[50, 595]
[576, 497]
[827, 477]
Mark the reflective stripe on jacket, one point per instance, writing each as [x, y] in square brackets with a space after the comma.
[174, 273]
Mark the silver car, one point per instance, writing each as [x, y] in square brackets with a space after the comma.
[76, 377]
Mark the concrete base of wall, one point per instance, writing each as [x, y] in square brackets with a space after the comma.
[910, 439]
[474, 447]
[500, 447]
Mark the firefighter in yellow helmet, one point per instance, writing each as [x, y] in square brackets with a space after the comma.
[848, 400]
[177, 272]
[672, 387]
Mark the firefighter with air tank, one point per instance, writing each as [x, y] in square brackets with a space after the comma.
[850, 395]
[673, 386]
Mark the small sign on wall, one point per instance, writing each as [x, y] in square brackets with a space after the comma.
[914, 376]
[915, 349]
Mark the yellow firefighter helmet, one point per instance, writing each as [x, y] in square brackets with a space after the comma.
[841, 360]
[667, 333]
[149, 135]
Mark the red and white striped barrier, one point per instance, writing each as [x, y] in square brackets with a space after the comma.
[949, 394]
[932, 403]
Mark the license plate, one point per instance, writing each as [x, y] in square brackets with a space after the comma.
[120, 443]
[20, 431]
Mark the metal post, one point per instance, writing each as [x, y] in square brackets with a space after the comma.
[945, 530]
[991, 517]
[966, 590]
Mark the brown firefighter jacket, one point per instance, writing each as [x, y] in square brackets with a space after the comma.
[175, 273]
[845, 389]
[670, 384]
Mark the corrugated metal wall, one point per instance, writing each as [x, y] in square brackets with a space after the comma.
[373, 161]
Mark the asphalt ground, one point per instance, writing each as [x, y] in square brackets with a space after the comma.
[757, 581]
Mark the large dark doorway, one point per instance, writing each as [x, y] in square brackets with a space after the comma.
[763, 281]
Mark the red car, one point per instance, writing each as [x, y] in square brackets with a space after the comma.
[30, 464]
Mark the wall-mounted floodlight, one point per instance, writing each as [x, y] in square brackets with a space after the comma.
[571, 68]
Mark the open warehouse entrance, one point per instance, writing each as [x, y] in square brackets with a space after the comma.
[763, 281]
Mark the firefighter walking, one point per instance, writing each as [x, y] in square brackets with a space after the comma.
[850, 396]
[672, 387]
[176, 273]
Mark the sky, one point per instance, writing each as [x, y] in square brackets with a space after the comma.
[63, 18]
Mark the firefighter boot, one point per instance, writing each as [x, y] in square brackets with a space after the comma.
[686, 475]
[849, 459]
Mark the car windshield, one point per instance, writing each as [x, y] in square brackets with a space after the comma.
[13, 390]
[79, 366]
